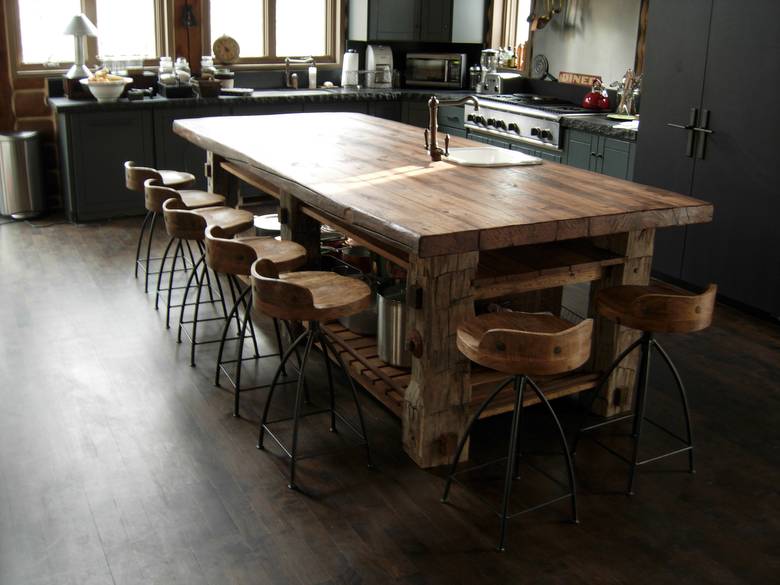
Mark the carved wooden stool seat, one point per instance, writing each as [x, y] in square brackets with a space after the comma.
[523, 345]
[310, 296]
[656, 308]
[189, 225]
[135, 179]
[234, 258]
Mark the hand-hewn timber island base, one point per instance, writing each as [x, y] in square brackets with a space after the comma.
[463, 233]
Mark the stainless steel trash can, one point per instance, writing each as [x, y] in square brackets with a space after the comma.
[21, 183]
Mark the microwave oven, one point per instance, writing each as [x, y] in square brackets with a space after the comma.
[436, 70]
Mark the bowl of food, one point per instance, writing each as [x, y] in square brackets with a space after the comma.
[105, 86]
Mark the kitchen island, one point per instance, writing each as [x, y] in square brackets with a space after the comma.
[464, 234]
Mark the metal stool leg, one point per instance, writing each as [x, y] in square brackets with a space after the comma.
[160, 274]
[149, 251]
[176, 253]
[464, 438]
[597, 391]
[225, 329]
[683, 398]
[331, 390]
[297, 412]
[239, 358]
[519, 386]
[193, 275]
[641, 404]
[140, 240]
[267, 407]
[343, 366]
[564, 446]
[196, 311]
[202, 249]
[278, 341]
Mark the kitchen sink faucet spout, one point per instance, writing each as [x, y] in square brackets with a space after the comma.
[431, 132]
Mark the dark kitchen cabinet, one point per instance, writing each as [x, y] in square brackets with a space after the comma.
[600, 154]
[695, 58]
[436, 21]
[93, 149]
[544, 154]
[410, 20]
[355, 107]
[173, 151]
[386, 110]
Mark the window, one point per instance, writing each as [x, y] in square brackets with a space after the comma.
[268, 30]
[41, 23]
[124, 28]
[517, 29]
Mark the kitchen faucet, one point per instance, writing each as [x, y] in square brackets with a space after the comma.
[431, 131]
[301, 60]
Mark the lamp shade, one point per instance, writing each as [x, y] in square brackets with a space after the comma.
[82, 26]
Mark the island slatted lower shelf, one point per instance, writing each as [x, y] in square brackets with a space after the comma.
[388, 383]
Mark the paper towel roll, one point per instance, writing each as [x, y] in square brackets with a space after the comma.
[349, 70]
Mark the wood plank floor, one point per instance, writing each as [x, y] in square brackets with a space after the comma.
[119, 463]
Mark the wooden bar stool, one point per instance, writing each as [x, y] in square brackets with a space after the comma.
[650, 309]
[155, 195]
[186, 225]
[313, 297]
[234, 258]
[523, 345]
[135, 179]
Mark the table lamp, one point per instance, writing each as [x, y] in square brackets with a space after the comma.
[79, 26]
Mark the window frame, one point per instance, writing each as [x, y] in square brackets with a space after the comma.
[509, 28]
[163, 38]
[335, 20]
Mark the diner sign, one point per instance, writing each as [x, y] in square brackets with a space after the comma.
[578, 78]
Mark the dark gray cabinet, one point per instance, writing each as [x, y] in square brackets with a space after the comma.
[436, 21]
[600, 154]
[173, 151]
[386, 110]
[93, 149]
[695, 59]
[410, 20]
[356, 107]
[544, 154]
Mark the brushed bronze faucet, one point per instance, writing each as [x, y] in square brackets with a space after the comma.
[288, 82]
[431, 132]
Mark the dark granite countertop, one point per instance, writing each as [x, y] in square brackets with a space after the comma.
[269, 96]
[598, 124]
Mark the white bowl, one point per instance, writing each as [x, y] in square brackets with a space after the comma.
[106, 91]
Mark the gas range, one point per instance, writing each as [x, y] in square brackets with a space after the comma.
[521, 118]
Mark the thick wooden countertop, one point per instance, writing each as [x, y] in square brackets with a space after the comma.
[376, 175]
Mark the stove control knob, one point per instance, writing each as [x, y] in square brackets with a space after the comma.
[536, 131]
[479, 120]
[514, 128]
[546, 134]
[471, 118]
[491, 122]
[501, 124]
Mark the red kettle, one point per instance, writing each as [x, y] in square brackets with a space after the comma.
[596, 98]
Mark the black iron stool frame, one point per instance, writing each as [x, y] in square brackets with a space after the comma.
[204, 277]
[244, 299]
[646, 343]
[314, 333]
[519, 383]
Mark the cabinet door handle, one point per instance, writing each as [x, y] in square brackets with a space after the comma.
[689, 129]
[593, 154]
[702, 129]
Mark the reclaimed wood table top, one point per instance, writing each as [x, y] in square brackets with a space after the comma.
[377, 175]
